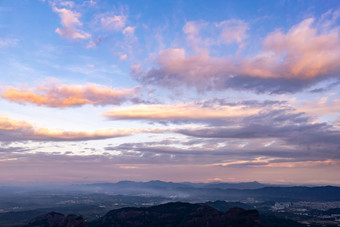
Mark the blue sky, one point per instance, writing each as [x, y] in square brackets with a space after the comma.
[171, 90]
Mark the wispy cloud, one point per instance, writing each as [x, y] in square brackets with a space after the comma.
[94, 42]
[296, 130]
[7, 42]
[233, 30]
[113, 23]
[201, 35]
[60, 96]
[114, 20]
[192, 30]
[129, 32]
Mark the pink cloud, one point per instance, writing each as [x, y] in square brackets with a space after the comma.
[129, 31]
[70, 23]
[192, 30]
[177, 69]
[303, 52]
[306, 52]
[200, 35]
[122, 56]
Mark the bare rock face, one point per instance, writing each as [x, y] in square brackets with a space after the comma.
[54, 219]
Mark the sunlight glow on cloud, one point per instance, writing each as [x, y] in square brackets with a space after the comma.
[181, 112]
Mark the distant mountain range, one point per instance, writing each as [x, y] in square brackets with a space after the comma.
[193, 192]
[216, 191]
[163, 184]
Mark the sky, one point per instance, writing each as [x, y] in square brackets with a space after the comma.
[173, 90]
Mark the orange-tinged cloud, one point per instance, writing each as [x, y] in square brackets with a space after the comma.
[303, 52]
[259, 160]
[181, 112]
[263, 162]
[305, 163]
[68, 95]
[10, 124]
[13, 130]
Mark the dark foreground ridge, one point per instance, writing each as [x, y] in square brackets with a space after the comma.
[170, 214]
[54, 219]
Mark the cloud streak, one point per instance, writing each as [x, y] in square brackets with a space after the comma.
[13, 130]
[295, 130]
[61, 96]
[182, 112]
